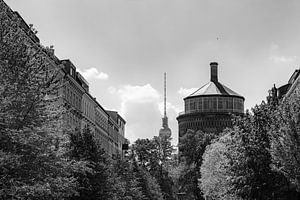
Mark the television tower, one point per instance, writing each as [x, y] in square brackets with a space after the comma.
[165, 131]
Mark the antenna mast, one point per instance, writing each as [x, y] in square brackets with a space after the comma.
[165, 94]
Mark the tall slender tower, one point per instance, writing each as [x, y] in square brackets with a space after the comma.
[165, 131]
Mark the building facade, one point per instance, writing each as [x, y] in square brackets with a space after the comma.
[82, 109]
[210, 108]
[286, 90]
[72, 95]
[116, 130]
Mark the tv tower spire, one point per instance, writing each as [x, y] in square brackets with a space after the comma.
[165, 131]
[165, 94]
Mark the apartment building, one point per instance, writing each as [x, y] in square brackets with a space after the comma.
[83, 110]
[286, 90]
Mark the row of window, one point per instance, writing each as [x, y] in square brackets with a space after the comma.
[88, 109]
[72, 97]
[109, 143]
[113, 132]
[214, 104]
[121, 125]
[203, 124]
[106, 142]
[74, 100]
[101, 120]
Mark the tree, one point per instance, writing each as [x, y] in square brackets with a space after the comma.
[128, 184]
[192, 146]
[285, 137]
[214, 182]
[95, 180]
[33, 147]
[165, 149]
[176, 170]
[148, 184]
[154, 155]
[146, 153]
[246, 161]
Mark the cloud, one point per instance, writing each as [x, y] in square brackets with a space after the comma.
[276, 57]
[142, 108]
[282, 59]
[140, 94]
[112, 90]
[274, 47]
[170, 107]
[139, 106]
[93, 73]
[186, 91]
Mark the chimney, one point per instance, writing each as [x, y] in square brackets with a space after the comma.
[214, 71]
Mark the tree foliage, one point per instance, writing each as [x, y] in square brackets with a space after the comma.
[238, 165]
[215, 182]
[96, 179]
[34, 163]
[128, 184]
[192, 147]
[285, 136]
[155, 155]
[148, 184]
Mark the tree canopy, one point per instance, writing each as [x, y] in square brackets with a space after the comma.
[192, 146]
[239, 164]
[154, 155]
[34, 162]
[285, 137]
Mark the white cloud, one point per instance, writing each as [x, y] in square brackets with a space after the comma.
[93, 73]
[186, 91]
[142, 108]
[140, 94]
[112, 90]
[170, 107]
[274, 47]
[282, 59]
[277, 57]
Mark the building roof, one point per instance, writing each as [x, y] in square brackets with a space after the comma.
[214, 88]
[294, 76]
[115, 116]
[294, 81]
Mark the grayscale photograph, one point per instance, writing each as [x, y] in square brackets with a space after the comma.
[149, 99]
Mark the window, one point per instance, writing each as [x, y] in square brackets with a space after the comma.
[206, 104]
[214, 103]
[238, 105]
[200, 104]
[192, 105]
[72, 72]
[187, 105]
[220, 103]
[229, 103]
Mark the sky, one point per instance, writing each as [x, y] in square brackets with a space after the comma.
[123, 47]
